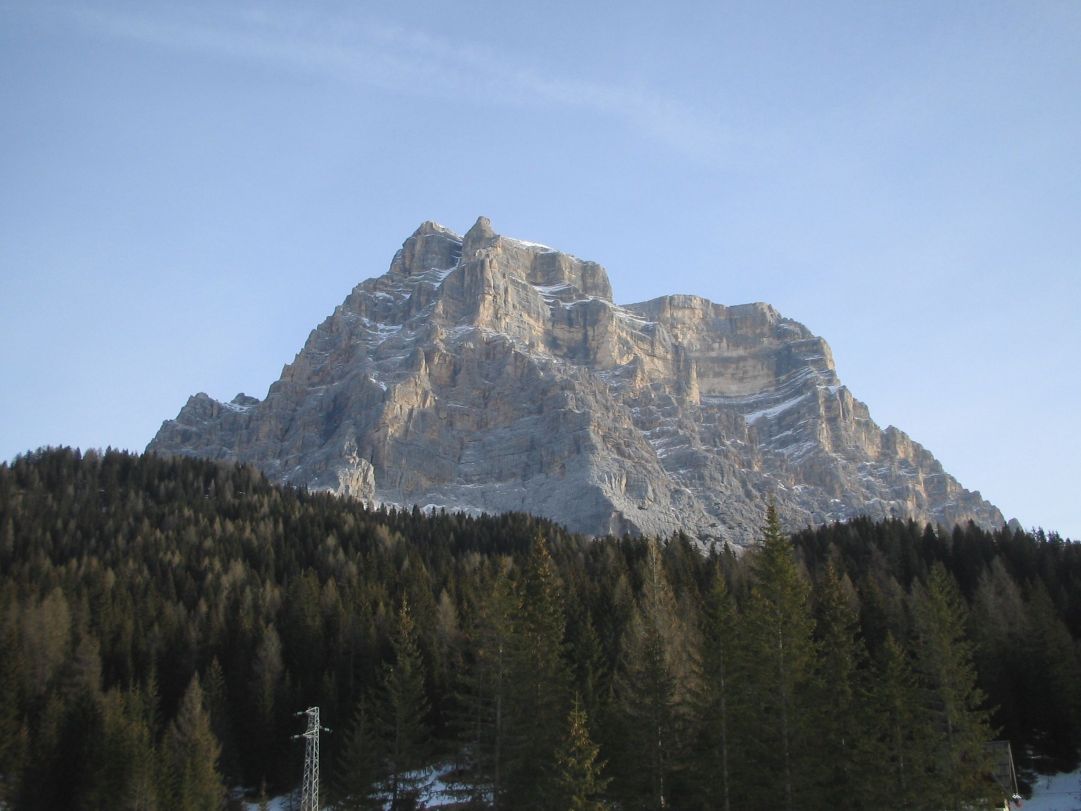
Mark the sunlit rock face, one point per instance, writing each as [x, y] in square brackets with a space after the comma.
[490, 374]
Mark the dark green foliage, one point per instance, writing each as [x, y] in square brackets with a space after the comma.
[720, 695]
[482, 698]
[401, 714]
[357, 769]
[776, 670]
[122, 578]
[580, 784]
[190, 752]
[539, 681]
[658, 692]
[843, 762]
[1051, 684]
[901, 734]
[954, 702]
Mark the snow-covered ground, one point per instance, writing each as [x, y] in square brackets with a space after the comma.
[434, 793]
[1058, 792]
[276, 804]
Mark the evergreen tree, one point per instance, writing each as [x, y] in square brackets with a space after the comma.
[192, 751]
[402, 713]
[141, 706]
[44, 784]
[580, 782]
[902, 745]
[658, 690]
[217, 702]
[944, 659]
[128, 760]
[116, 570]
[1000, 629]
[840, 718]
[12, 742]
[1052, 689]
[482, 699]
[265, 685]
[356, 770]
[776, 674]
[539, 686]
[77, 757]
[718, 654]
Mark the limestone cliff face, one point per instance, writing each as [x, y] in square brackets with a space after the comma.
[487, 373]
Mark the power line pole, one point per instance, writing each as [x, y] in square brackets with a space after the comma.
[309, 794]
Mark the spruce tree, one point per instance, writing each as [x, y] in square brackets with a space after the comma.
[1052, 693]
[539, 686]
[658, 690]
[902, 744]
[839, 713]
[356, 770]
[777, 660]
[263, 759]
[127, 763]
[718, 653]
[402, 713]
[1000, 628]
[217, 702]
[12, 743]
[581, 785]
[482, 698]
[192, 751]
[944, 658]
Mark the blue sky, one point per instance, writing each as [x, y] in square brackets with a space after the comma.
[187, 189]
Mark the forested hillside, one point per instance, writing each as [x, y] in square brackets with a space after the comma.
[161, 621]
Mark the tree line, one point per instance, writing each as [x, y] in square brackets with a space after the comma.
[161, 621]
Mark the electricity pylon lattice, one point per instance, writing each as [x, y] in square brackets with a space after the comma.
[309, 793]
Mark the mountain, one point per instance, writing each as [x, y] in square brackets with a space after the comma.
[492, 374]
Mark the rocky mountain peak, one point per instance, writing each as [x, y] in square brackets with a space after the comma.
[490, 373]
[479, 236]
[242, 400]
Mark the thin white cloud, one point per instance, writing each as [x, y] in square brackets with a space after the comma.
[402, 60]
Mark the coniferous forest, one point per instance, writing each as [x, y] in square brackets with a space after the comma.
[162, 621]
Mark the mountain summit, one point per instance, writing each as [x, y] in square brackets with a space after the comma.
[492, 374]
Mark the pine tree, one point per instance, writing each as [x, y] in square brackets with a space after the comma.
[217, 702]
[539, 686]
[902, 745]
[1000, 629]
[356, 770]
[944, 660]
[142, 706]
[402, 713]
[263, 758]
[718, 654]
[12, 744]
[482, 696]
[777, 659]
[192, 753]
[127, 764]
[580, 782]
[839, 713]
[658, 689]
[1053, 676]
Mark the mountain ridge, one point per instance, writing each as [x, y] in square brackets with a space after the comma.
[493, 374]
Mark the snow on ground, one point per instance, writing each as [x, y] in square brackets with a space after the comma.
[283, 803]
[1056, 792]
[433, 792]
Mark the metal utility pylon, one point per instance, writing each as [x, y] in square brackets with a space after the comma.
[309, 794]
